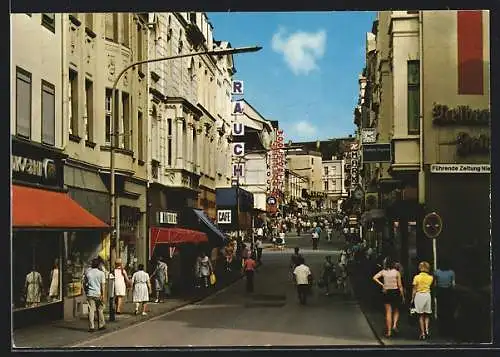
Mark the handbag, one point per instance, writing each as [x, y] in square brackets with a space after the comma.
[213, 279]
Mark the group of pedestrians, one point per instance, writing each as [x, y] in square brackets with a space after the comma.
[94, 281]
[391, 281]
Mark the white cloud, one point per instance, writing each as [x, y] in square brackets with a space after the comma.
[300, 49]
[303, 129]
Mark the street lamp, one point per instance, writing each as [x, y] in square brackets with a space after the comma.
[114, 134]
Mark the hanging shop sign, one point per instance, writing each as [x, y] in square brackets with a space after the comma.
[276, 161]
[351, 166]
[237, 131]
[377, 153]
[460, 169]
[40, 166]
[432, 225]
[462, 115]
[223, 216]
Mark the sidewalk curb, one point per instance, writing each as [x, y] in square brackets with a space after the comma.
[133, 321]
[370, 323]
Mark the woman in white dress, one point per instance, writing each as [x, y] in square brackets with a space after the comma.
[142, 289]
[54, 282]
[121, 282]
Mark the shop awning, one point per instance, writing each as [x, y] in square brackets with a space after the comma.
[161, 235]
[210, 225]
[34, 208]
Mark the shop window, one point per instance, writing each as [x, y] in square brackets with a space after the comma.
[413, 97]
[48, 113]
[23, 103]
[79, 250]
[36, 262]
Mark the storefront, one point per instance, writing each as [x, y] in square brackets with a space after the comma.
[465, 240]
[44, 219]
[206, 202]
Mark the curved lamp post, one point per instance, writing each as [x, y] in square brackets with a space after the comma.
[115, 133]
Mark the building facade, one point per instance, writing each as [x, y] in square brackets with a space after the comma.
[98, 47]
[333, 182]
[51, 231]
[437, 65]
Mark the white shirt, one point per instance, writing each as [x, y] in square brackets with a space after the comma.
[260, 232]
[301, 274]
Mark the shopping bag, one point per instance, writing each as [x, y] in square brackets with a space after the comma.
[167, 289]
[213, 279]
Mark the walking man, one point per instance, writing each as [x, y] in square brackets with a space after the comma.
[94, 280]
[249, 271]
[303, 279]
[259, 246]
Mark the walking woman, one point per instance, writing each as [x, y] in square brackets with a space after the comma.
[121, 282]
[205, 269]
[421, 297]
[393, 291]
[142, 289]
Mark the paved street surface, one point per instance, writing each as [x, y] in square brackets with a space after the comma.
[271, 316]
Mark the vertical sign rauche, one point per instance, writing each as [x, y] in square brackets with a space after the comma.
[238, 132]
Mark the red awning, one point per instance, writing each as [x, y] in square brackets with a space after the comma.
[36, 208]
[175, 236]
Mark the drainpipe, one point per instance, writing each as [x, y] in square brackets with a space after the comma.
[421, 173]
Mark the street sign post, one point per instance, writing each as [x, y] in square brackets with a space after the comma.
[432, 225]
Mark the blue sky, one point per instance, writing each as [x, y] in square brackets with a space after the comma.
[306, 76]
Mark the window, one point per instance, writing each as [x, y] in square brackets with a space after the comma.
[140, 44]
[154, 133]
[169, 142]
[125, 30]
[112, 27]
[73, 103]
[36, 259]
[107, 109]
[48, 113]
[23, 103]
[89, 21]
[169, 149]
[413, 97]
[127, 133]
[312, 161]
[154, 169]
[326, 185]
[89, 110]
[326, 170]
[183, 154]
[192, 17]
[140, 138]
[49, 21]
[195, 148]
